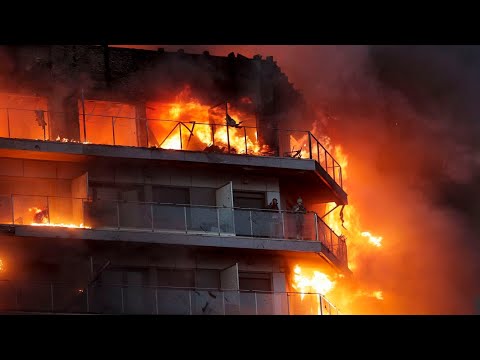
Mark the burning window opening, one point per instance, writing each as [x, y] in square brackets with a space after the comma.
[106, 122]
[52, 211]
[24, 117]
[312, 285]
[187, 124]
[41, 217]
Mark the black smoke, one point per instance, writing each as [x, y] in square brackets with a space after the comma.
[407, 116]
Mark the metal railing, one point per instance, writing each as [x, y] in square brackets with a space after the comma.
[29, 123]
[173, 218]
[99, 298]
[243, 140]
[170, 134]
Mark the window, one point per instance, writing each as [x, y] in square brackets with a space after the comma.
[171, 195]
[106, 122]
[207, 279]
[117, 192]
[249, 200]
[175, 278]
[24, 117]
[203, 196]
[255, 281]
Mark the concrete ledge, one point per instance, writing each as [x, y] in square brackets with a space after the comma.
[154, 154]
[54, 150]
[169, 238]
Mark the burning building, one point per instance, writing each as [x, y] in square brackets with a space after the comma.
[140, 181]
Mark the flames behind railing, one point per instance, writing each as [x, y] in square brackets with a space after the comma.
[177, 135]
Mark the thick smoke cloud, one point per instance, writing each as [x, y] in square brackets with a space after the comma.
[407, 118]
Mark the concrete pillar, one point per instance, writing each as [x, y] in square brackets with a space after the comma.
[141, 120]
[280, 300]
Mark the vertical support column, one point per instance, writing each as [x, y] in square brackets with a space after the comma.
[151, 216]
[123, 305]
[8, 122]
[118, 215]
[251, 223]
[83, 118]
[310, 145]
[51, 297]
[142, 124]
[190, 301]
[113, 129]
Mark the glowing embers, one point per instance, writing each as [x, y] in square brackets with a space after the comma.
[109, 123]
[24, 117]
[65, 140]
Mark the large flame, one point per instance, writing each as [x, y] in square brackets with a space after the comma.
[315, 282]
[343, 221]
[206, 124]
[312, 285]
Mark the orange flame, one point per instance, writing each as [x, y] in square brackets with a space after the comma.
[204, 124]
[2, 268]
[375, 240]
[81, 226]
[46, 221]
[70, 140]
[316, 282]
[344, 293]
[374, 294]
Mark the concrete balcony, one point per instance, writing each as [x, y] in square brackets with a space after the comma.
[55, 217]
[297, 154]
[122, 299]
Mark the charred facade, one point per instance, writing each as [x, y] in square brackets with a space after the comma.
[137, 181]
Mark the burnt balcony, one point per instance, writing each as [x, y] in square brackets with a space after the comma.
[99, 298]
[214, 140]
[44, 216]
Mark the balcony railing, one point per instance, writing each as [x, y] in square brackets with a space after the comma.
[99, 298]
[172, 218]
[176, 135]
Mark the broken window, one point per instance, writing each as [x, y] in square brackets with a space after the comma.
[24, 117]
[106, 122]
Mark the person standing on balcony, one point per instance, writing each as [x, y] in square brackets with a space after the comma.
[276, 222]
[300, 211]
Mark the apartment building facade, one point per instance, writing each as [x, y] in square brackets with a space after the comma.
[138, 181]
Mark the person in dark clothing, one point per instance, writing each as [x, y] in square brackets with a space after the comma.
[299, 210]
[273, 205]
[275, 219]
